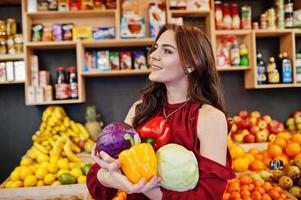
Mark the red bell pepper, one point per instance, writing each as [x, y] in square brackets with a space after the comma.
[156, 131]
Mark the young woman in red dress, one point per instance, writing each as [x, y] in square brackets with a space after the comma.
[183, 88]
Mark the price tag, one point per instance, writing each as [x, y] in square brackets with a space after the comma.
[276, 164]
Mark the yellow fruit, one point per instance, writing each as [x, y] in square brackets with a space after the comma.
[49, 179]
[30, 181]
[52, 168]
[54, 158]
[26, 162]
[42, 158]
[55, 183]
[82, 179]
[44, 165]
[24, 172]
[17, 184]
[41, 173]
[237, 152]
[240, 165]
[31, 154]
[63, 163]
[8, 184]
[40, 183]
[76, 172]
[14, 176]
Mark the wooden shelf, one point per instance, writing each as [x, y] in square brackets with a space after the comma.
[283, 85]
[10, 2]
[232, 32]
[116, 73]
[118, 42]
[11, 57]
[52, 45]
[189, 13]
[272, 33]
[232, 68]
[11, 82]
[53, 102]
[297, 32]
[70, 14]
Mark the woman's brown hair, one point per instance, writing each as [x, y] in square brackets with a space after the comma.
[196, 51]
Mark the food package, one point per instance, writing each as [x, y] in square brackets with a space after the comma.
[157, 18]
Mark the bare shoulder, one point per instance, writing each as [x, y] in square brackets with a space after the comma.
[131, 114]
[210, 113]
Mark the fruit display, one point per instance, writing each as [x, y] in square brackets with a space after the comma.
[254, 127]
[52, 159]
[93, 124]
[293, 123]
[250, 187]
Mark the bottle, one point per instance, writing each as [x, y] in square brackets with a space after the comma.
[235, 17]
[72, 79]
[288, 13]
[234, 52]
[286, 72]
[273, 74]
[227, 17]
[298, 67]
[261, 70]
[61, 87]
[218, 15]
[244, 60]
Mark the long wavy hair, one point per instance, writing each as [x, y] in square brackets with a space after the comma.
[196, 51]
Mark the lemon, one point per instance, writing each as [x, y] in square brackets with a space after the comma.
[8, 184]
[49, 179]
[30, 181]
[44, 164]
[41, 173]
[40, 183]
[42, 158]
[26, 162]
[61, 171]
[63, 163]
[55, 183]
[14, 176]
[31, 154]
[16, 184]
[24, 172]
[52, 167]
[73, 165]
[76, 172]
[32, 168]
[81, 179]
[54, 158]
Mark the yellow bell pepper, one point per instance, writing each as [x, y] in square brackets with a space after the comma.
[138, 161]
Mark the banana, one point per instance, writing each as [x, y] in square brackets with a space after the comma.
[58, 145]
[75, 148]
[40, 147]
[69, 153]
[74, 126]
[66, 122]
[83, 131]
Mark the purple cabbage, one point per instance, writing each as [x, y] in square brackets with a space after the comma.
[111, 138]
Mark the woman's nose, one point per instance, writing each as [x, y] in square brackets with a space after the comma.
[154, 55]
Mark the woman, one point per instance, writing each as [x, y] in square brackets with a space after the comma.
[183, 88]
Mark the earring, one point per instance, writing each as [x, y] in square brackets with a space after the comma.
[189, 70]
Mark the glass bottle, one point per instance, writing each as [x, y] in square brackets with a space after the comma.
[261, 70]
[73, 82]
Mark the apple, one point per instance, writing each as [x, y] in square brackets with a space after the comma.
[243, 124]
[267, 118]
[255, 114]
[253, 120]
[238, 138]
[290, 122]
[254, 129]
[262, 124]
[234, 128]
[250, 138]
[88, 146]
[81, 144]
[243, 114]
[273, 129]
[297, 116]
[261, 136]
[272, 137]
[299, 126]
[236, 119]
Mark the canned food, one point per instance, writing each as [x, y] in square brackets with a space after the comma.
[11, 26]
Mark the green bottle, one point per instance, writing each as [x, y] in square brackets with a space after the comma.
[244, 60]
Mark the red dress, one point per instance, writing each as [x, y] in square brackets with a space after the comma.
[213, 176]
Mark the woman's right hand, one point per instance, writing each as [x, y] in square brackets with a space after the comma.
[110, 175]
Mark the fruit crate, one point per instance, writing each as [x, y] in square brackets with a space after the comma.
[259, 146]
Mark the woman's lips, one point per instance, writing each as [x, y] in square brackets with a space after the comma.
[155, 67]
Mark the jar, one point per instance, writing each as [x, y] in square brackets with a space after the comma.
[3, 49]
[2, 28]
[11, 26]
[18, 39]
[10, 45]
[298, 67]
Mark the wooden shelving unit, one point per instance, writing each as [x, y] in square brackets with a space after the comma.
[7, 57]
[232, 32]
[51, 45]
[54, 102]
[118, 43]
[232, 68]
[11, 82]
[265, 86]
[115, 73]
[189, 13]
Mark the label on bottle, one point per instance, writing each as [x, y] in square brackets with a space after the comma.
[287, 74]
[261, 77]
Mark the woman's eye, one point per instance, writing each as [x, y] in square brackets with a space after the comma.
[167, 51]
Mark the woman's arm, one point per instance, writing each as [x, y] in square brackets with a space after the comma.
[131, 114]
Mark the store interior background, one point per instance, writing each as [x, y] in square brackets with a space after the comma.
[113, 96]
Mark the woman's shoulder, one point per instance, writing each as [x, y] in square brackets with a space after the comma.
[211, 113]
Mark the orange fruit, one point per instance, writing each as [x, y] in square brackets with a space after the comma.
[267, 161]
[237, 152]
[235, 195]
[259, 156]
[280, 142]
[244, 180]
[226, 196]
[250, 157]
[274, 150]
[284, 135]
[257, 165]
[292, 149]
[253, 151]
[297, 157]
[267, 186]
[256, 195]
[240, 165]
[245, 193]
[296, 138]
[266, 197]
[284, 159]
[233, 187]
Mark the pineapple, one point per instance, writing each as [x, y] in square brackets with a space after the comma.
[93, 125]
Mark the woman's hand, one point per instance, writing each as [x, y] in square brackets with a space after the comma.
[110, 175]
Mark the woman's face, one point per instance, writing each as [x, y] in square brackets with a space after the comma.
[165, 61]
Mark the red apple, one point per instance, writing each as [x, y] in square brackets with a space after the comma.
[81, 144]
[266, 118]
[234, 128]
[238, 138]
[250, 138]
[254, 129]
[243, 124]
[253, 120]
[272, 130]
[243, 114]
[261, 136]
[255, 114]
[236, 119]
[262, 124]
